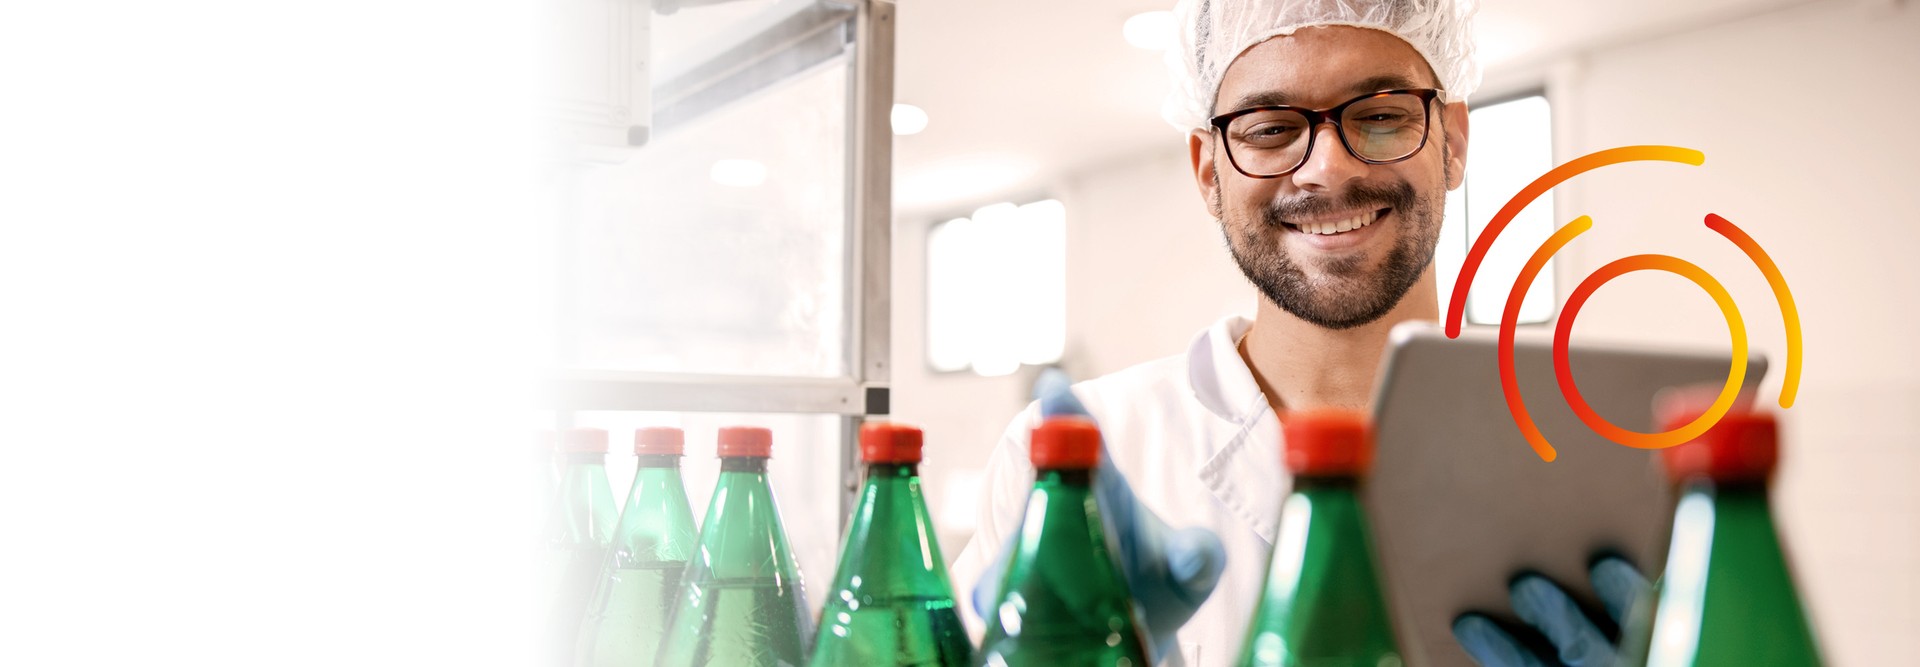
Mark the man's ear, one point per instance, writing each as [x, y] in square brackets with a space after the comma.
[1456, 129]
[1200, 152]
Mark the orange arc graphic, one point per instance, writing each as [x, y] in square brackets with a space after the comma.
[1563, 373]
[1563, 333]
[1509, 385]
[1457, 306]
[1789, 313]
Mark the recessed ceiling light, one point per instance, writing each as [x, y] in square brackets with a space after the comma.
[908, 119]
[738, 173]
[1152, 31]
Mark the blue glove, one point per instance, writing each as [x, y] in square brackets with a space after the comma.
[1170, 572]
[1571, 637]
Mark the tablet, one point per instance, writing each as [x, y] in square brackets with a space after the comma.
[1458, 499]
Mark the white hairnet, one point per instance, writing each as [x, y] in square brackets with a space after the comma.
[1212, 33]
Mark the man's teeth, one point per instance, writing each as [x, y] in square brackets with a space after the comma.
[1336, 227]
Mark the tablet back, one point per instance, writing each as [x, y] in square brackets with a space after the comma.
[1458, 499]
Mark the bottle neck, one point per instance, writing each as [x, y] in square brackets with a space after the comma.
[578, 470]
[1718, 488]
[753, 464]
[1326, 482]
[1741, 510]
[892, 470]
[571, 459]
[1065, 476]
[659, 460]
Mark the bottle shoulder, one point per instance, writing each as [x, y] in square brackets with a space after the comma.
[1063, 585]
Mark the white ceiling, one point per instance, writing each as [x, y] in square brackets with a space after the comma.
[1019, 92]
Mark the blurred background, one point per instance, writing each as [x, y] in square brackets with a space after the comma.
[1033, 101]
[275, 280]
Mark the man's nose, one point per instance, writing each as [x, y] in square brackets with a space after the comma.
[1329, 165]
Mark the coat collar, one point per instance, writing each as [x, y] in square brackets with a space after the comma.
[1244, 472]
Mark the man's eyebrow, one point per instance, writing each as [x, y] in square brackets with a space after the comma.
[1382, 82]
[1273, 98]
[1264, 98]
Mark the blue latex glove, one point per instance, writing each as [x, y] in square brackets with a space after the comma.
[1170, 572]
[1571, 637]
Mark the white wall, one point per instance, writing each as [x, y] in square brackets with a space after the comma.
[1804, 152]
[1147, 267]
[1796, 112]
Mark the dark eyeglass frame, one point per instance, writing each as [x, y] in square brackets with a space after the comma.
[1317, 117]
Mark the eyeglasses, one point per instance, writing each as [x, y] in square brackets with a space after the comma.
[1376, 128]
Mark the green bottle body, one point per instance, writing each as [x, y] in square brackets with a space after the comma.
[891, 602]
[1062, 599]
[578, 531]
[741, 602]
[648, 555]
[1727, 597]
[1322, 604]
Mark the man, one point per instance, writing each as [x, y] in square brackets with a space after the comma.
[1323, 138]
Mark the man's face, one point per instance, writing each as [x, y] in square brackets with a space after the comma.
[1352, 278]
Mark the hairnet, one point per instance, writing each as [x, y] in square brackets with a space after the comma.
[1212, 33]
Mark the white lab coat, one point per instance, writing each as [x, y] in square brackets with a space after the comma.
[1200, 446]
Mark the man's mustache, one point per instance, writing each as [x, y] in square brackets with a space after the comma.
[1398, 195]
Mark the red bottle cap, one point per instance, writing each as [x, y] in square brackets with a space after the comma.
[745, 442]
[659, 441]
[584, 441]
[1743, 446]
[1065, 443]
[888, 442]
[1327, 442]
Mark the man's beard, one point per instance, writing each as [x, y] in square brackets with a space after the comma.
[1348, 295]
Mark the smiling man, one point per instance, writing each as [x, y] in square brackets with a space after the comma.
[1323, 138]
[1327, 162]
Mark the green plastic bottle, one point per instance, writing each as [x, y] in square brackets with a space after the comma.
[1062, 599]
[1322, 605]
[649, 552]
[1727, 597]
[891, 602]
[578, 530]
[741, 603]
